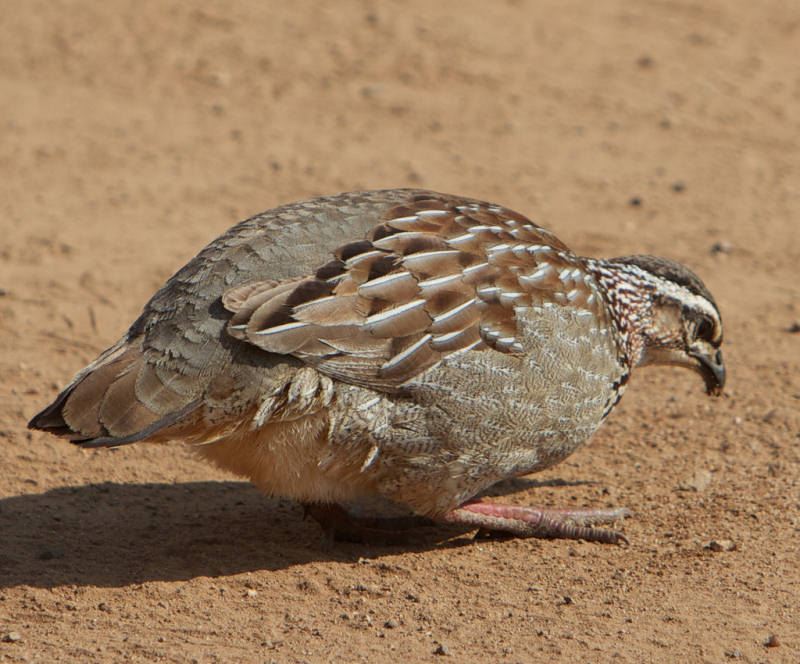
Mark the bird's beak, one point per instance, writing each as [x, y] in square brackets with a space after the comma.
[711, 368]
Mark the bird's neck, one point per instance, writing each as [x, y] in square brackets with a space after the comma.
[629, 300]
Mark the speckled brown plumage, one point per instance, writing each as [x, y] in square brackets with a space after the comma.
[404, 344]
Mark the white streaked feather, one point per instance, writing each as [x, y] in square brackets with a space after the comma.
[507, 298]
[355, 260]
[400, 222]
[439, 281]
[384, 316]
[369, 404]
[447, 315]
[466, 238]
[388, 242]
[455, 354]
[495, 230]
[422, 256]
[536, 278]
[371, 458]
[278, 329]
[379, 282]
[488, 292]
[432, 214]
[401, 357]
[467, 272]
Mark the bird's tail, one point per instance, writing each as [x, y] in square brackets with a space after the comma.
[119, 398]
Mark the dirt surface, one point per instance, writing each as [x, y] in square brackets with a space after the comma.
[131, 133]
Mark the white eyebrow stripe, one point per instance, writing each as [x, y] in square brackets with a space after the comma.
[688, 297]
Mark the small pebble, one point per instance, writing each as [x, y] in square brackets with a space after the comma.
[733, 654]
[794, 328]
[12, 637]
[252, 593]
[698, 482]
[442, 649]
[678, 186]
[635, 202]
[769, 416]
[391, 624]
[772, 641]
[645, 62]
[720, 545]
[721, 247]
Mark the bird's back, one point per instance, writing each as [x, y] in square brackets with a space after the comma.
[176, 373]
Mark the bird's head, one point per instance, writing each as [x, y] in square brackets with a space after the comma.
[668, 316]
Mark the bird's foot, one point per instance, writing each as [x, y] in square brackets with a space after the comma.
[547, 523]
[341, 526]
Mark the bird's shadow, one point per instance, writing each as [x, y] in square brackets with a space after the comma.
[113, 535]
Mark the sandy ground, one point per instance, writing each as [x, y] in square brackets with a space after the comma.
[131, 133]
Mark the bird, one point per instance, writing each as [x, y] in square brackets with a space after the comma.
[397, 345]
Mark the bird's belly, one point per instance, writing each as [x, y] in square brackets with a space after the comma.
[287, 459]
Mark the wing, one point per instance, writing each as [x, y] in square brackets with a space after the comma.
[437, 276]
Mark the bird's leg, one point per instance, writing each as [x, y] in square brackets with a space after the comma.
[342, 526]
[540, 522]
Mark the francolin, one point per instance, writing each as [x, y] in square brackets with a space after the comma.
[404, 345]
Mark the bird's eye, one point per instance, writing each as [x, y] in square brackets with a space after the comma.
[705, 329]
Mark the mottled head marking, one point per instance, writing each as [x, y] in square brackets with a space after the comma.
[670, 270]
[664, 314]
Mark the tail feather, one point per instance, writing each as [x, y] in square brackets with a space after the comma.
[151, 432]
[52, 419]
[101, 407]
[81, 410]
[120, 411]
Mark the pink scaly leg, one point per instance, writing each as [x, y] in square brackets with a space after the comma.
[540, 522]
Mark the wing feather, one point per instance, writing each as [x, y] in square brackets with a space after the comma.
[435, 277]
